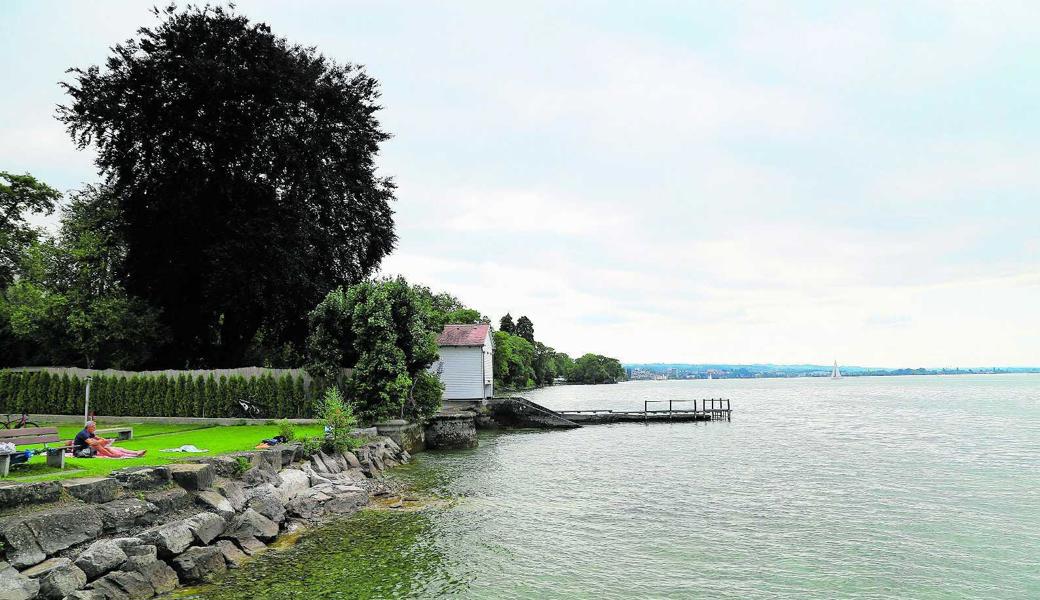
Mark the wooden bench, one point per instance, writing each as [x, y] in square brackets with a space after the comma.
[28, 436]
[121, 433]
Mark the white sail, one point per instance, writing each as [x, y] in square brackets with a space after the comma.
[835, 374]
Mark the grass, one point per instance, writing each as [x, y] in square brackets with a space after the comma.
[153, 437]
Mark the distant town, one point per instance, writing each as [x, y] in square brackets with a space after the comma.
[666, 371]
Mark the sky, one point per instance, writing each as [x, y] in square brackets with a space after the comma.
[670, 181]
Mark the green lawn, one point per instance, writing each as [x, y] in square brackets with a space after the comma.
[153, 437]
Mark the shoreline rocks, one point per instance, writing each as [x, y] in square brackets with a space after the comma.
[180, 523]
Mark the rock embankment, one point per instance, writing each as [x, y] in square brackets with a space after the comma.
[144, 531]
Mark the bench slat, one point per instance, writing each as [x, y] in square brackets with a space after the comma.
[8, 433]
[27, 441]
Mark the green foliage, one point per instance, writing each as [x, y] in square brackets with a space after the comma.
[263, 194]
[525, 328]
[595, 368]
[286, 430]
[512, 361]
[20, 196]
[312, 445]
[339, 421]
[240, 467]
[42, 392]
[384, 331]
[505, 324]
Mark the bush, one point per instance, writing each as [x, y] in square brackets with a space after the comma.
[42, 392]
[286, 430]
[339, 421]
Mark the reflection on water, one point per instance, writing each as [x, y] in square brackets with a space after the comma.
[908, 487]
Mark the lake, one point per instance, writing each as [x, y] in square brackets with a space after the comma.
[869, 487]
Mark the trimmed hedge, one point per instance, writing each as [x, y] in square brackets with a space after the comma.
[40, 392]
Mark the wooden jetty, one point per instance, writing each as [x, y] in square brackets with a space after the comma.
[711, 409]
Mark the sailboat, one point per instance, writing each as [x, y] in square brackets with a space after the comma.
[835, 374]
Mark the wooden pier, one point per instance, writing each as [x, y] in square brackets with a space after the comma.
[711, 409]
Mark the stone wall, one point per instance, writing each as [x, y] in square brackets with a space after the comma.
[451, 430]
[144, 531]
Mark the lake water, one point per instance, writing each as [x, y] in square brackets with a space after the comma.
[889, 487]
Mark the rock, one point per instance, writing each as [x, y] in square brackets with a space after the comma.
[30, 539]
[232, 555]
[192, 476]
[200, 563]
[290, 453]
[159, 575]
[143, 478]
[233, 491]
[170, 539]
[125, 514]
[250, 545]
[352, 460]
[315, 478]
[15, 586]
[124, 584]
[18, 494]
[215, 502]
[169, 501]
[138, 557]
[223, 466]
[318, 465]
[258, 476]
[391, 444]
[58, 578]
[93, 489]
[331, 464]
[206, 527]
[293, 482]
[85, 595]
[269, 506]
[253, 524]
[100, 558]
[308, 506]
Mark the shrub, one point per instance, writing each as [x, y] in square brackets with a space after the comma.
[339, 421]
[286, 430]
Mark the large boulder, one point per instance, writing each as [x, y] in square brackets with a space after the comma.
[261, 475]
[139, 556]
[143, 478]
[252, 524]
[123, 585]
[232, 555]
[213, 501]
[170, 539]
[159, 575]
[30, 539]
[250, 545]
[169, 501]
[352, 460]
[127, 513]
[310, 505]
[200, 563]
[28, 494]
[192, 476]
[100, 558]
[93, 489]
[58, 578]
[15, 586]
[269, 506]
[234, 492]
[293, 483]
[206, 527]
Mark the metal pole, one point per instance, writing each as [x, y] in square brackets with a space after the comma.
[86, 405]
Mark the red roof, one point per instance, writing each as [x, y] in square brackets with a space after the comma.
[463, 335]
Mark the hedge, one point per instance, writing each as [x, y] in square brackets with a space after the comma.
[40, 392]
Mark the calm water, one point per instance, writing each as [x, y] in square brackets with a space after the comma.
[900, 487]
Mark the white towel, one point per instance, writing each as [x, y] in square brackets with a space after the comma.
[185, 448]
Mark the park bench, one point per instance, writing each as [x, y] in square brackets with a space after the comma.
[121, 433]
[28, 436]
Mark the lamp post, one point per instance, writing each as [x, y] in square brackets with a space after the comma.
[86, 405]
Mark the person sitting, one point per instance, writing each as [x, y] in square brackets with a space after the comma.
[88, 445]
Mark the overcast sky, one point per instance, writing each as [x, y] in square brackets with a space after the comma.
[659, 181]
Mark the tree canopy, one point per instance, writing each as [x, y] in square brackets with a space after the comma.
[20, 195]
[525, 328]
[244, 170]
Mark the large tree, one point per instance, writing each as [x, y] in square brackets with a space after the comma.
[20, 196]
[244, 167]
[525, 328]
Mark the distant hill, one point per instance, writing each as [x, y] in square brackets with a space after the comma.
[739, 371]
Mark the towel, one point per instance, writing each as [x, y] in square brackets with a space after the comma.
[185, 448]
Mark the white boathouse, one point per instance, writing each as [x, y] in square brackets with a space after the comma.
[465, 363]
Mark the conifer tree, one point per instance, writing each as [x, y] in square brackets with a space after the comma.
[210, 396]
